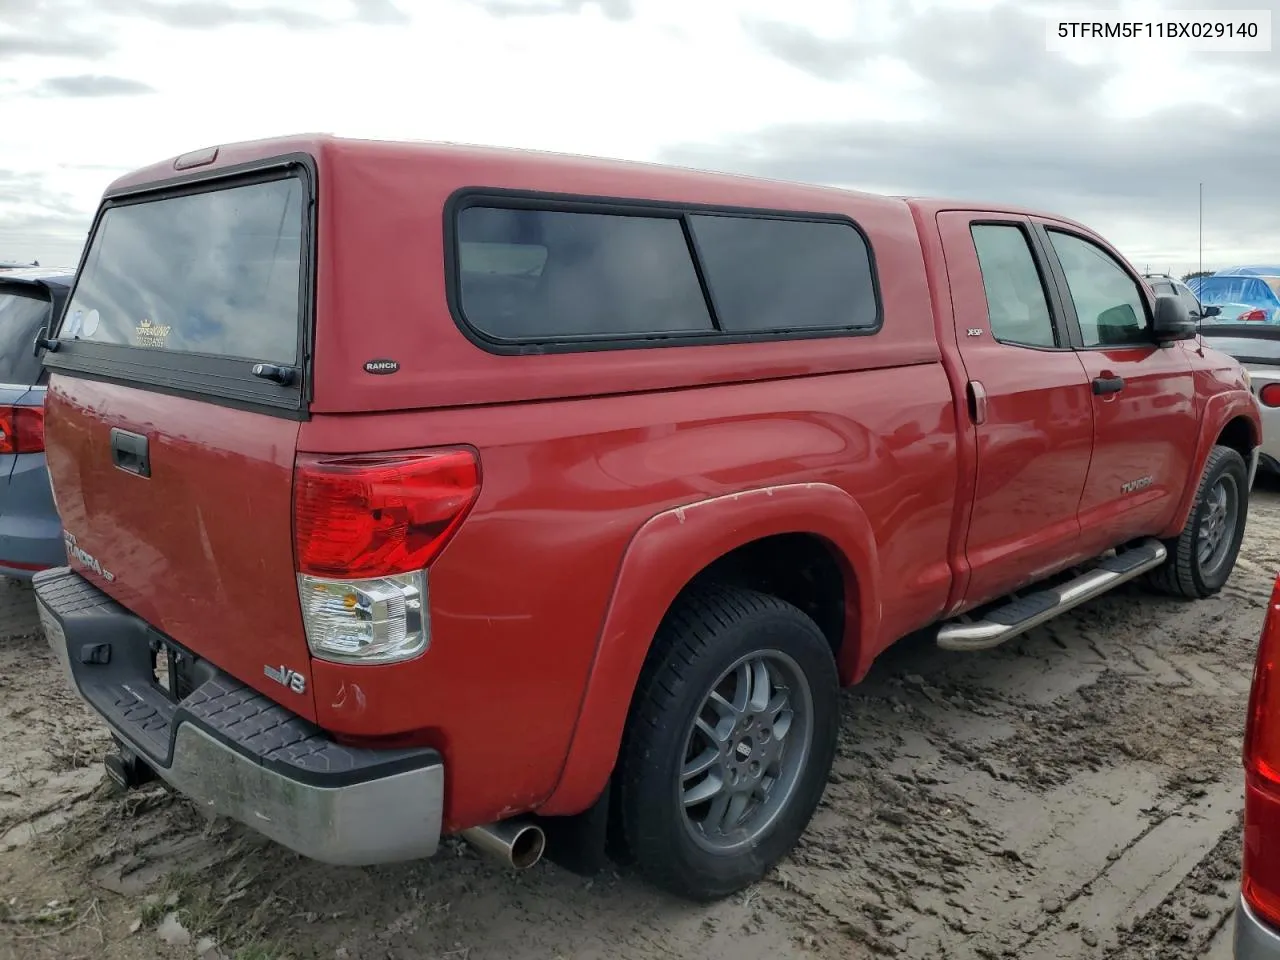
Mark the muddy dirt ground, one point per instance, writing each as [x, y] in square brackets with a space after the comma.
[1075, 794]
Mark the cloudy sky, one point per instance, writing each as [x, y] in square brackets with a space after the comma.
[954, 97]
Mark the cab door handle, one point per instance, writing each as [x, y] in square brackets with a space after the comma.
[1106, 384]
[977, 397]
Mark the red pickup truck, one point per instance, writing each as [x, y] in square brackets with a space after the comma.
[414, 489]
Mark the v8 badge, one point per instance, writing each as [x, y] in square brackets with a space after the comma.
[286, 677]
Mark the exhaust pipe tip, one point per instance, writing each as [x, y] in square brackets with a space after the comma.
[515, 844]
[527, 848]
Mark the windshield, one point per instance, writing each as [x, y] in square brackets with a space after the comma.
[211, 273]
[22, 313]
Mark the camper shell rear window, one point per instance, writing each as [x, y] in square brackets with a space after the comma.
[202, 290]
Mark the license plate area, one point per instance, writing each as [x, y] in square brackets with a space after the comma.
[172, 669]
[164, 667]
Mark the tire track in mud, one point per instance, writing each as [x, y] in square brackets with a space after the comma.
[1071, 794]
[52, 746]
[1134, 702]
[1195, 916]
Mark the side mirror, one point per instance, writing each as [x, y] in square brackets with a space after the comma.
[1172, 321]
[1208, 311]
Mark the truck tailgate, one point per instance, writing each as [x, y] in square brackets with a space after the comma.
[202, 548]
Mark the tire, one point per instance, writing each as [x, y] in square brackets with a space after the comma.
[1190, 572]
[703, 645]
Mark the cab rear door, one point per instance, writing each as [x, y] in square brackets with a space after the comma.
[1028, 397]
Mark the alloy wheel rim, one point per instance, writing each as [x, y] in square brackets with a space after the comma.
[745, 751]
[1218, 518]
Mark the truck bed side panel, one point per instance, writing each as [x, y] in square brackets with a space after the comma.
[517, 598]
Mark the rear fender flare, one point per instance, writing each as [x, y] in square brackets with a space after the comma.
[665, 554]
[1219, 410]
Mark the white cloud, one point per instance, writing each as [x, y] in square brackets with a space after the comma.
[712, 81]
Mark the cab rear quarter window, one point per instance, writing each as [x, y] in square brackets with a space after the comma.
[568, 273]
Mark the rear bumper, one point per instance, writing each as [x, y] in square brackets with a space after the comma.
[1254, 940]
[238, 753]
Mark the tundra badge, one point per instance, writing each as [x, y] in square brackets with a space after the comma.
[286, 677]
[1135, 485]
[87, 559]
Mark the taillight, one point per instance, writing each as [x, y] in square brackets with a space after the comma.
[1261, 883]
[1259, 316]
[365, 529]
[21, 429]
[1269, 395]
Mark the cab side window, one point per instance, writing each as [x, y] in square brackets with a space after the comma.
[1017, 307]
[1109, 304]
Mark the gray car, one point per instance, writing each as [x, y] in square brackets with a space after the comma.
[1165, 285]
[30, 532]
[1257, 347]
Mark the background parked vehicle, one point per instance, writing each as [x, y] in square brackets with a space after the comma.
[1257, 932]
[30, 533]
[1242, 297]
[1257, 347]
[1164, 285]
[1265, 270]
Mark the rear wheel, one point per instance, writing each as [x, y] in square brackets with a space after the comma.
[729, 742]
[1202, 557]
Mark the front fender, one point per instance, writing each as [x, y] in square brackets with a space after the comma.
[667, 552]
[1219, 410]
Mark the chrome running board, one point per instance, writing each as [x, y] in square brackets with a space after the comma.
[1032, 609]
